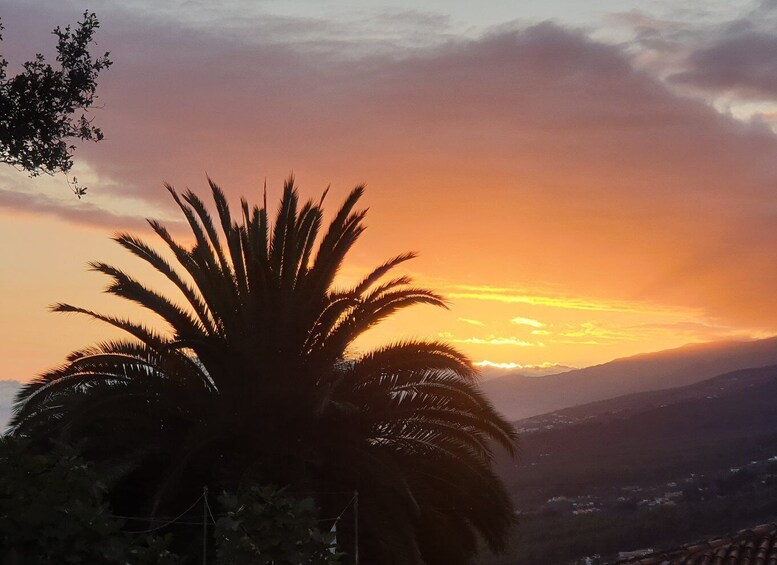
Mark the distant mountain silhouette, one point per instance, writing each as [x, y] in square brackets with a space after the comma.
[521, 397]
[721, 422]
[627, 405]
[490, 373]
[8, 391]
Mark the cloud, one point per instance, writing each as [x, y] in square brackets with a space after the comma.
[526, 155]
[526, 322]
[597, 331]
[603, 333]
[744, 65]
[471, 321]
[576, 342]
[727, 57]
[52, 195]
[510, 365]
[77, 212]
[494, 340]
[697, 331]
[567, 303]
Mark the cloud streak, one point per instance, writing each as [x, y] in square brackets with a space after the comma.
[567, 303]
[84, 213]
[520, 321]
[511, 365]
[471, 322]
[494, 340]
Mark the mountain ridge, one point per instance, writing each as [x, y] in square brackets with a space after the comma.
[8, 390]
[523, 397]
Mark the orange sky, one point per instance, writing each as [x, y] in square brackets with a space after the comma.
[576, 199]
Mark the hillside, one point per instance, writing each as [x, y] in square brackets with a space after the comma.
[626, 405]
[521, 397]
[722, 422]
[660, 469]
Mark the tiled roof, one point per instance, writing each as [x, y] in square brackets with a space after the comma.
[757, 546]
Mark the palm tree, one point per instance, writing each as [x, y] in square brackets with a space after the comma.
[257, 381]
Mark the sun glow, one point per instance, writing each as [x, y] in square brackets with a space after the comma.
[497, 365]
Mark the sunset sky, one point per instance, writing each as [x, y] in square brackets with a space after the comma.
[582, 180]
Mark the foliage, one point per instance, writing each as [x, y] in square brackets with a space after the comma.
[265, 527]
[259, 382]
[52, 511]
[43, 110]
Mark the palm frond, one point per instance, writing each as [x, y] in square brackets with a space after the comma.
[140, 249]
[139, 331]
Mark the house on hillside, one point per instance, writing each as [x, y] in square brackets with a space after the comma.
[757, 546]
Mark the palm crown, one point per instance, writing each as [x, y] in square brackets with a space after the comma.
[256, 381]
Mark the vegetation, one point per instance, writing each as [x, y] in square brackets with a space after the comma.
[53, 511]
[258, 382]
[43, 110]
[265, 527]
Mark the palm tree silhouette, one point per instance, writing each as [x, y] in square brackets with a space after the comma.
[257, 381]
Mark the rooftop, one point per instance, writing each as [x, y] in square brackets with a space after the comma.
[757, 546]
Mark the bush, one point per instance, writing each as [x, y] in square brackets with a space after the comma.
[264, 526]
[53, 511]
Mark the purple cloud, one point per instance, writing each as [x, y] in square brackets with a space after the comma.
[744, 65]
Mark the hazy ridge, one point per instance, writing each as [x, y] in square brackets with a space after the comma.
[521, 397]
[8, 391]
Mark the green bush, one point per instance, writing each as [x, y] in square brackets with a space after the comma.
[263, 526]
[53, 511]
